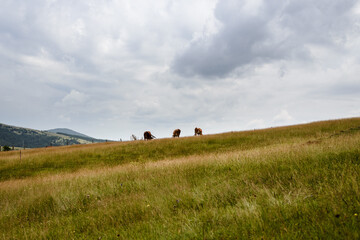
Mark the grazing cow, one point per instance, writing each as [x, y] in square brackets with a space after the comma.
[148, 135]
[198, 131]
[176, 133]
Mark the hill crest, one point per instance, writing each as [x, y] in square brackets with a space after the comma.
[67, 131]
[32, 138]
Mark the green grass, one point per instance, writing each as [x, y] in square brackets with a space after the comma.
[297, 182]
[69, 159]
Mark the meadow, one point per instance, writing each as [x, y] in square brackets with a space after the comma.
[293, 182]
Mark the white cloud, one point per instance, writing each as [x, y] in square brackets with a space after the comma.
[74, 97]
[120, 67]
[256, 124]
[65, 119]
[353, 113]
[282, 117]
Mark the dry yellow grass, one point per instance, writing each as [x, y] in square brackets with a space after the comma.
[291, 182]
[244, 156]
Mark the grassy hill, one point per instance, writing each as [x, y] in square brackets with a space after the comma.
[296, 182]
[31, 138]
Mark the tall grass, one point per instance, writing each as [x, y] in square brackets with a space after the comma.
[292, 182]
[69, 159]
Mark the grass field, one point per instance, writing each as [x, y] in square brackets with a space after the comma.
[295, 182]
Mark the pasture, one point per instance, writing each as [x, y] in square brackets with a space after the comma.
[296, 182]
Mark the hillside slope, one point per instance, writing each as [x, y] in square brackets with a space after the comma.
[295, 182]
[31, 138]
[74, 134]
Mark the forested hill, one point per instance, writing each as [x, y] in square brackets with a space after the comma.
[31, 138]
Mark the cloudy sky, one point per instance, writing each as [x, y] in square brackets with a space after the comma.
[112, 68]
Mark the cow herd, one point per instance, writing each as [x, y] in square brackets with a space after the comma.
[176, 133]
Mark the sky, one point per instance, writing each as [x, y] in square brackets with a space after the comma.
[113, 68]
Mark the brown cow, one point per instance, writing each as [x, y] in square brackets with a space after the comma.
[198, 131]
[176, 133]
[148, 135]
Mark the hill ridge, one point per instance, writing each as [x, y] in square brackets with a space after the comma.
[68, 131]
[32, 138]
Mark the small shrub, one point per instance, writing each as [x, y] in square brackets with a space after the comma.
[6, 148]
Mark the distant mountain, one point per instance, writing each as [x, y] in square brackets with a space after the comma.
[67, 132]
[74, 134]
[31, 138]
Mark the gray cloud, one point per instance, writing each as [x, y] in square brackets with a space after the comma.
[258, 32]
[114, 68]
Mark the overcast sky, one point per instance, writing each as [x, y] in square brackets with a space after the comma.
[112, 68]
